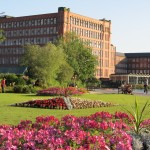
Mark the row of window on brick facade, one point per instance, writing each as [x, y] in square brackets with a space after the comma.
[145, 71]
[93, 43]
[24, 41]
[29, 32]
[123, 65]
[54, 30]
[49, 21]
[28, 23]
[87, 24]
[9, 60]
[11, 51]
[140, 65]
[90, 34]
[102, 53]
[139, 59]
[44, 40]
[124, 71]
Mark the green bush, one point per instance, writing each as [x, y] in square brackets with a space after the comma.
[30, 89]
[20, 81]
[35, 89]
[25, 89]
[2, 75]
[18, 88]
[10, 78]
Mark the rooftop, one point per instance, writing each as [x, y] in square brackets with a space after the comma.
[131, 55]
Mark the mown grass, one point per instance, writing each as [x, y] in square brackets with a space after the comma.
[13, 115]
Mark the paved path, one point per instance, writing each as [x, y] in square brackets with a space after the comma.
[115, 91]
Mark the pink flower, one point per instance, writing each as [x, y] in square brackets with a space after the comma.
[98, 131]
[104, 125]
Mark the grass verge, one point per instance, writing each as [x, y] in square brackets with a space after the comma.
[13, 115]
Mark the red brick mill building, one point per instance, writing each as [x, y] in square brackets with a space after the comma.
[43, 28]
[40, 29]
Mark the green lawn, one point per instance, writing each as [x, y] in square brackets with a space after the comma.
[13, 115]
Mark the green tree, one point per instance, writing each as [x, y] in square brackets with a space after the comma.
[65, 74]
[43, 62]
[79, 56]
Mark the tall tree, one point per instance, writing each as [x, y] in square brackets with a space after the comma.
[79, 56]
[43, 62]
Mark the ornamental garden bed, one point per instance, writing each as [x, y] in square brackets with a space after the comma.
[60, 91]
[64, 103]
[101, 130]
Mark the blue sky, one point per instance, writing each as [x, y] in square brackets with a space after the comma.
[130, 18]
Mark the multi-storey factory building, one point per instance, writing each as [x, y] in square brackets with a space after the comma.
[40, 29]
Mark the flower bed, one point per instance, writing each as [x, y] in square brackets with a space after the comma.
[99, 131]
[53, 103]
[64, 103]
[82, 104]
[57, 91]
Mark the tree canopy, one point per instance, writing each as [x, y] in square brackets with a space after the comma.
[44, 62]
[79, 56]
[56, 63]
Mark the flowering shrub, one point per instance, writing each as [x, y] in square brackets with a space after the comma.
[54, 91]
[101, 130]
